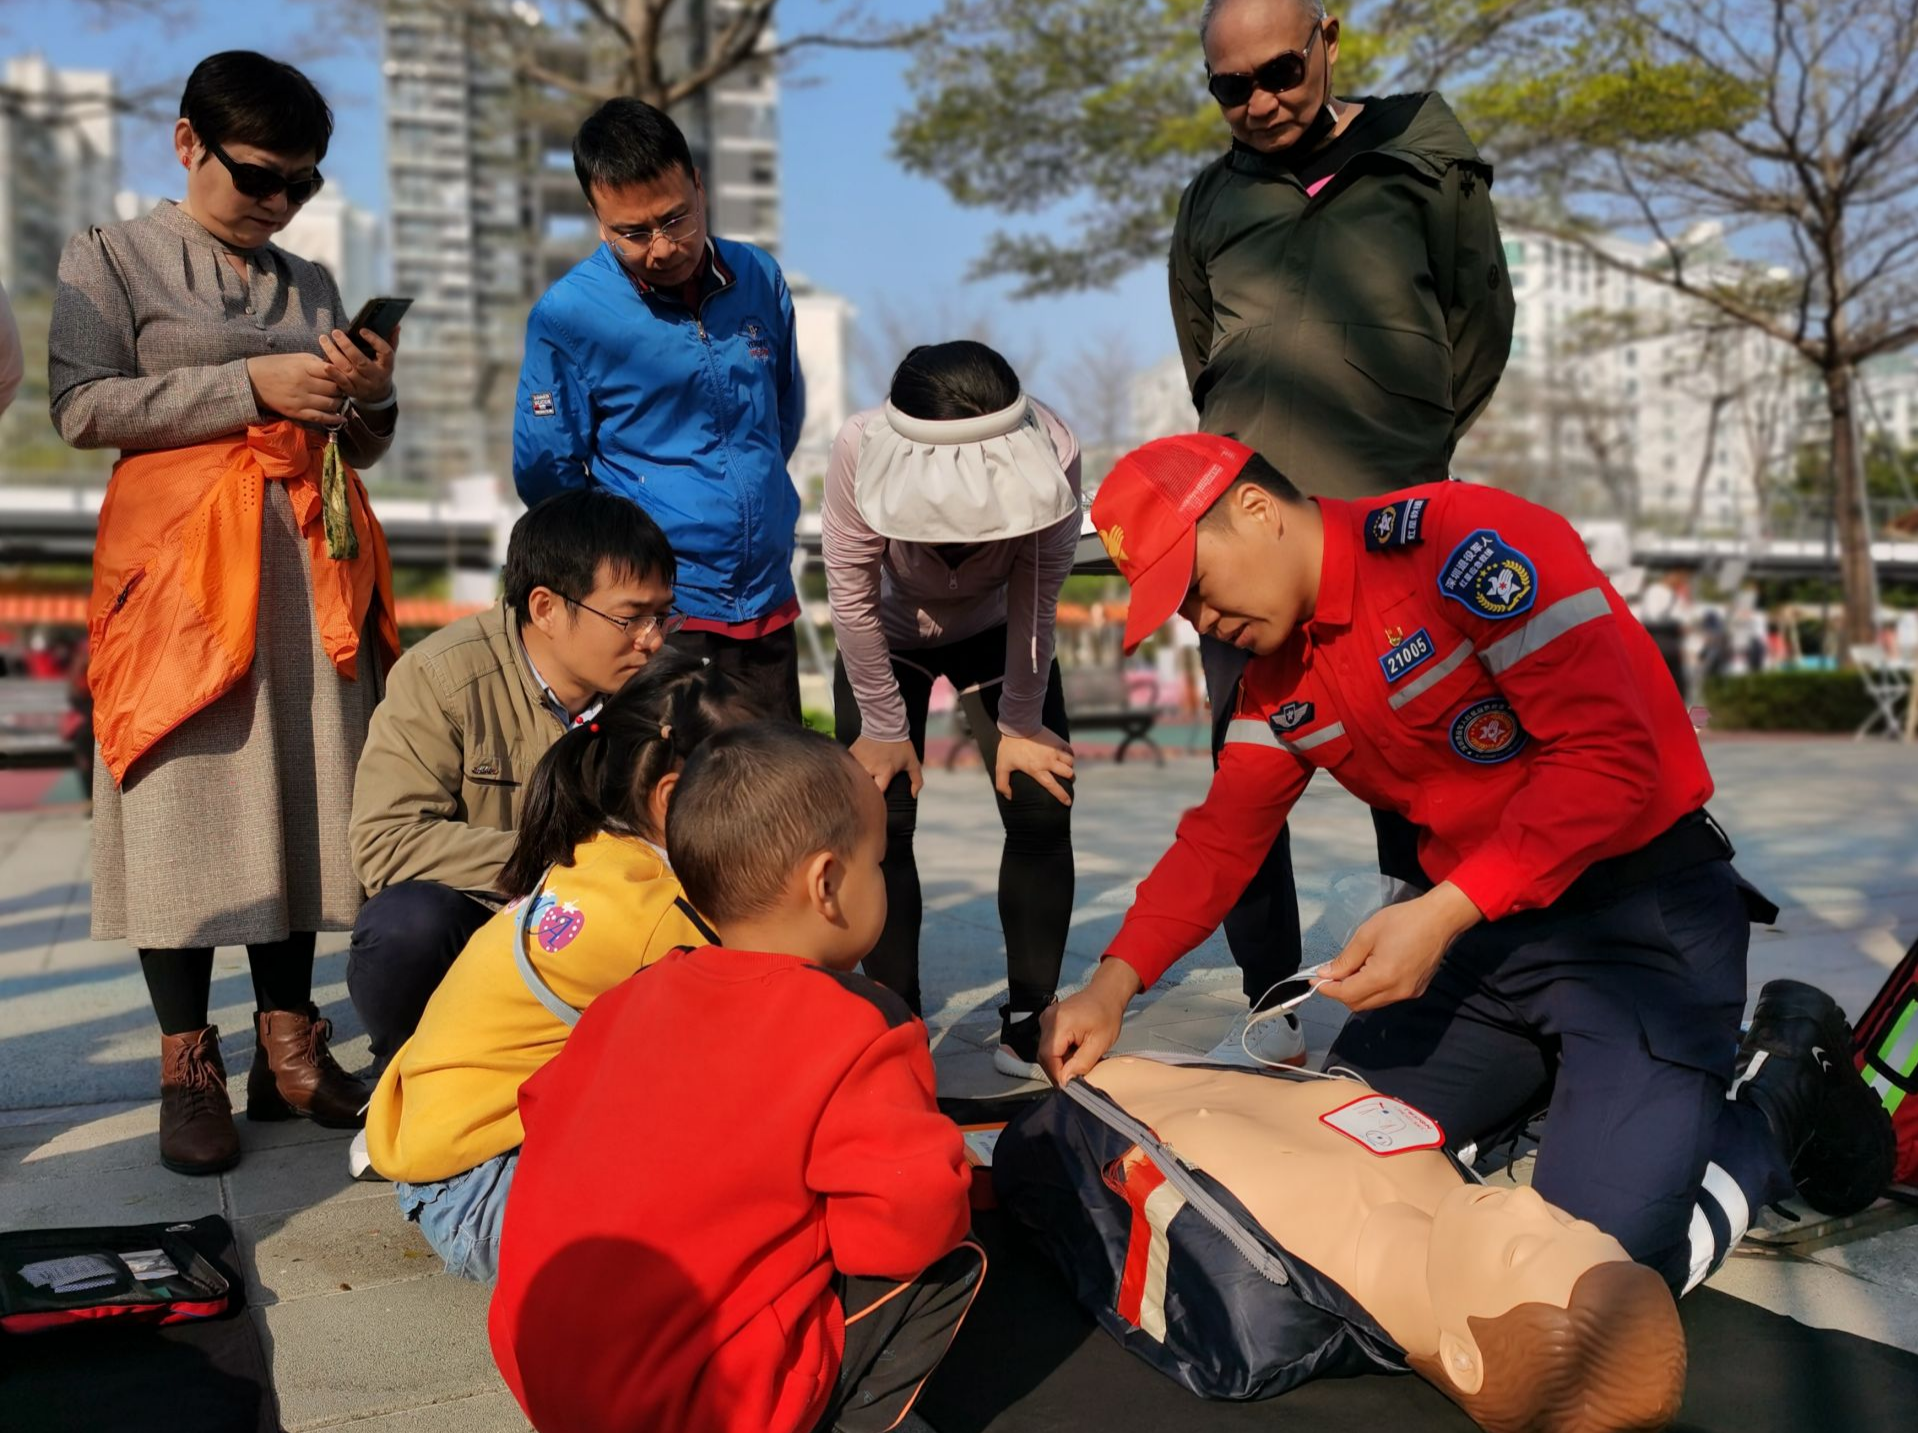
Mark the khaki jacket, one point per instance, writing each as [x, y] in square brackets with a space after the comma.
[447, 759]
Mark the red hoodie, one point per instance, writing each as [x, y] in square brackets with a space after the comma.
[721, 1134]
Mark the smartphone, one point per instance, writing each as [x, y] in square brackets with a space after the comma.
[382, 315]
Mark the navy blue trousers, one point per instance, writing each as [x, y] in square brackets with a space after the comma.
[1622, 1020]
[404, 942]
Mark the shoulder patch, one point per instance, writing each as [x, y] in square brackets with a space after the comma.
[889, 1005]
[1487, 732]
[1399, 524]
[1292, 716]
[1490, 577]
[543, 405]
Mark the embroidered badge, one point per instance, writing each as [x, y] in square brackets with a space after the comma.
[559, 925]
[1491, 578]
[1488, 732]
[1385, 1126]
[1399, 524]
[1292, 716]
[1409, 652]
[543, 405]
[1114, 540]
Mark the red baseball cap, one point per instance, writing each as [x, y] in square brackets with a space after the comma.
[1147, 513]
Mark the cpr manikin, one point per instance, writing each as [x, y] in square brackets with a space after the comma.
[1525, 1317]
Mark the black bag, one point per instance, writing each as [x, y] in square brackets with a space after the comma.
[1168, 1262]
[64, 1278]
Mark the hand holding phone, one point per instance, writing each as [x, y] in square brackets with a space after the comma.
[382, 316]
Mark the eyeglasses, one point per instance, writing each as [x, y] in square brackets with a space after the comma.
[673, 231]
[1277, 75]
[641, 627]
[256, 181]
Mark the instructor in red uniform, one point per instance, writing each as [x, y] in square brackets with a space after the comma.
[1451, 653]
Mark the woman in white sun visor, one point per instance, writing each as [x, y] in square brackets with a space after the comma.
[951, 515]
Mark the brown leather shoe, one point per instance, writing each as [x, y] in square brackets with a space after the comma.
[196, 1117]
[295, 1075]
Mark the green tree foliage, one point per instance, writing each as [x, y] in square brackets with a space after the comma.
[1099, 106]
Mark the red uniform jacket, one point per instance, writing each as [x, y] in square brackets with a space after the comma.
[1468, 666]
[721, 1133]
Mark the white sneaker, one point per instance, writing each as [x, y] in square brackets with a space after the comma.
[1274, 1040]
[1007, 1062]
[359, 1163]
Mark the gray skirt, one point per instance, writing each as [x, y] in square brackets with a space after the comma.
[232, 829]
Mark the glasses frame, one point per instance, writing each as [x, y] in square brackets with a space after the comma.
[272, 183]
[674, 231]
[665, 623]
[1263, 77]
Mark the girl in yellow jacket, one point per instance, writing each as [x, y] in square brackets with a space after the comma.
[594, 901]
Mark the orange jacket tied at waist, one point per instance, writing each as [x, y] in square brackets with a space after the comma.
[176, 579]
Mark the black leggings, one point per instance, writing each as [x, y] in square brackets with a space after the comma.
[1035, 868]
[179, 981]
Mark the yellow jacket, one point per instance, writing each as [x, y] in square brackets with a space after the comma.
[450, 1099]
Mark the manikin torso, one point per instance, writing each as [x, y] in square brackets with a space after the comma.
[1418, 1245]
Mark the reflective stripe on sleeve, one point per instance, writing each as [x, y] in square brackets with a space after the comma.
[1248, 731]
[1554, 622]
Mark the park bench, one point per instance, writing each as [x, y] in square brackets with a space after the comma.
[1098, 699]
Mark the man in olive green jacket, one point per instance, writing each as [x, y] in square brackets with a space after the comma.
[1342, 307]
[467, 715]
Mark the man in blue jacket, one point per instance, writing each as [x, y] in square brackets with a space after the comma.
[663, 367]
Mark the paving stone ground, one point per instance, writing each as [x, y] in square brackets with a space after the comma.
[364, 1329]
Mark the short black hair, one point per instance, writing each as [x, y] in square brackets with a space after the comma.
[962, 379]
[242, 97]
[1257, 473]
[752, 803]
[560, 544]
[627, 141]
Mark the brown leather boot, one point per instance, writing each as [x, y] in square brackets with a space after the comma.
[295, 1075]
[196, 1117]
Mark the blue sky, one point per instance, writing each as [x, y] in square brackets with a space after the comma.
[854, 221]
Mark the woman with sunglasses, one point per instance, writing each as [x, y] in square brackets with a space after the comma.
[242, 616]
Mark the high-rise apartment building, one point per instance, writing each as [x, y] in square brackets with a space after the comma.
[59, 169]
[486, 211]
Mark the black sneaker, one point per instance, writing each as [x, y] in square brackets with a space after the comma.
[1795, 1065]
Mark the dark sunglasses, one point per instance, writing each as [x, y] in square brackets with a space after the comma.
[1277, 75]
[256, 181]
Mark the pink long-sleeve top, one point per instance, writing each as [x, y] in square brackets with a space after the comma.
[892, 596]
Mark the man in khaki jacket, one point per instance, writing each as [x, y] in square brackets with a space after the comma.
[467, 715]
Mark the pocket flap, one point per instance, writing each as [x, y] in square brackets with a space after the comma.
[1401, 361]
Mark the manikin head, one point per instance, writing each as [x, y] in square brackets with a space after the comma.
[1545, 1323]
[1205, 527]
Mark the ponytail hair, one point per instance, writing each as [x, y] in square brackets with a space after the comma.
[600, 775]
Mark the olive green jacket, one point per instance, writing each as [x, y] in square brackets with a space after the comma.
[1352, 336]
[451, 747]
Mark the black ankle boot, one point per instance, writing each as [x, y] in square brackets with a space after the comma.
[1795, 1066]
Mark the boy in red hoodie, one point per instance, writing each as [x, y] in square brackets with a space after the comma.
[738, 1206]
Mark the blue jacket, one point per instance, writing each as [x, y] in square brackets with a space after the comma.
[691, 415]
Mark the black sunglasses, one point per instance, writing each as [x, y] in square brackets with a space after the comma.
[256, 181]
[1277, 75]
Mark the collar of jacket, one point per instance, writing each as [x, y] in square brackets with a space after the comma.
[501, 626]
[713, 269]
[1428, 143]
[1332, 607]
